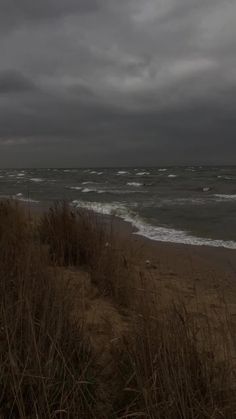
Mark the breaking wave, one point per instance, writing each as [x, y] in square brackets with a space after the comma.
[122, 172]
[36, 179]
[19, 197]
[161, 234]
[225, 197]
[142, 173]
[88, 190]
[136, 184]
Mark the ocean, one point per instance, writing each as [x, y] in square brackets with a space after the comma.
[191, 205]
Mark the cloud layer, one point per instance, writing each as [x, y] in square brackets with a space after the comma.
[129, 82]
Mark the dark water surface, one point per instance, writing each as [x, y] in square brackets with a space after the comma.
[194, 205]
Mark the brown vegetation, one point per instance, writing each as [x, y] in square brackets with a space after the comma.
[83, 335]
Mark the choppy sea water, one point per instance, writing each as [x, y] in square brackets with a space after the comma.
[192, 205]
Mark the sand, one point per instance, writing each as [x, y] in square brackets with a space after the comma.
[202, 278]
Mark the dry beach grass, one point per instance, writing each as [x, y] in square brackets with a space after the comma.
[89, 331]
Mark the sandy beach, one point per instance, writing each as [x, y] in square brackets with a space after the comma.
[142, 310]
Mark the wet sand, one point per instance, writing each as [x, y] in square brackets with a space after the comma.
[180, 258]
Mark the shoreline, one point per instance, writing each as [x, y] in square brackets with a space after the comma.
[181, 257]
[168, 235]
[111, 303]
[160, 234]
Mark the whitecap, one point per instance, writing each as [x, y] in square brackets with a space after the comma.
[225, 197]
[172, 176]
[36, 179]
[225, 177]
[90, 183]
[142, 174]
[88, 190]
[94, 172]
[122, 172]
[114, 208]
[135, 184]
[20, 197]
[76, 188]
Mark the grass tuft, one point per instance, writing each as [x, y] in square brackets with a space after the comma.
[56, 360]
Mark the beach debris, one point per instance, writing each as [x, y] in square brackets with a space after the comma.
[150, 265]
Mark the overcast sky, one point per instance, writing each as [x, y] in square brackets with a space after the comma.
[117, 82]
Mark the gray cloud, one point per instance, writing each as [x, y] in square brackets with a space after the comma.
[13, 82]
[106, 82]
[26, 12]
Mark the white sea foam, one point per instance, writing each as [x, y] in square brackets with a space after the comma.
[21, 174]
[142, 174]
[224, 197]
[136, 184]
[114, 208]
[76, 188]
[112, 191]
[162, 170]
[225, 177]
[20, 197]
[172, 176]
[94, 172]
[88, 190]
[93, 183]
[162, 234]
[122, 172]
[36, 179]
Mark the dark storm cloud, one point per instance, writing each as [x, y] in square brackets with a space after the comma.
[14, 12]
[13, 82]
[117, 82]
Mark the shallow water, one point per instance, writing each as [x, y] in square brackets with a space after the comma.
[194, 205]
